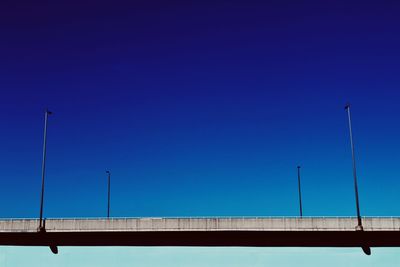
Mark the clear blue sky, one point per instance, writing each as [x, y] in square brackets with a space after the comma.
[199, 109]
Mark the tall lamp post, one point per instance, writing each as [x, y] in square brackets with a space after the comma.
[109, 182]
[359, 222]
[46, 115]
[299, 185]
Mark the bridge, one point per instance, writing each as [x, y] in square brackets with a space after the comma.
[225, 231]
[285, 231]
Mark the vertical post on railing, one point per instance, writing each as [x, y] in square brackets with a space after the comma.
[109, 184]
[359, 222]
[46, 115]
[299, 186]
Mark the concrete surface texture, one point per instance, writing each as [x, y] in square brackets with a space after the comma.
[202, 224]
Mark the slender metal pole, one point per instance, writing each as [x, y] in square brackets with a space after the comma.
[298, 180]
[109, 183]
[46, 114]
[359, 225]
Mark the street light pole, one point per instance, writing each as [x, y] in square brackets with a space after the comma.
[46, 115]
[359, 224]
[299, 184]
[109, 183]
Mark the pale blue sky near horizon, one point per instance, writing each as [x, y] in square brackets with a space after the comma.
[196, 257]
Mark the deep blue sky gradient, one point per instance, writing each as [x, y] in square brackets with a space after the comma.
[199, 109]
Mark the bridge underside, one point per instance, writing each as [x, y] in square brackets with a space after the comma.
[207, 238]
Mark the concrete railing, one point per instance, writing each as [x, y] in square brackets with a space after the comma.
[202, 224]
